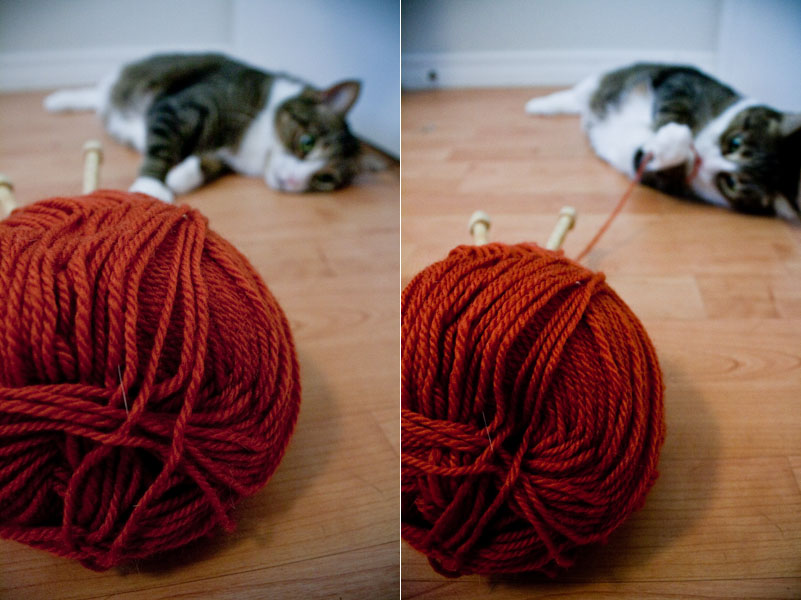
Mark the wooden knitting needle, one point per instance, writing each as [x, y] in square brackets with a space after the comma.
[479, 226]
[7, 201]
[567, 218]
[92, 157]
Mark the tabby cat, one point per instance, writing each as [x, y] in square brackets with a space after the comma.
[707, 141]
[197, 116]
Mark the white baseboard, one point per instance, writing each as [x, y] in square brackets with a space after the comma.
[22, 71]
[529, 67]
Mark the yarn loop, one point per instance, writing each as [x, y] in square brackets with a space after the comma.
[532, 410]
[148, 378]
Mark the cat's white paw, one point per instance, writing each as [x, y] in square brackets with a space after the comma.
[540, 106]
[553, 104]
[152, 187]
[670, 147]
[186, 176]
[56, 102]
[80, 99]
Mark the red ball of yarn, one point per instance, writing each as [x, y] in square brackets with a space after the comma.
[532, 410]
[148, 378]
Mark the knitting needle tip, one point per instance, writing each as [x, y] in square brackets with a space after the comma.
[567, 219]
[479, 226]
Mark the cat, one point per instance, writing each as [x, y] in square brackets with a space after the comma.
[195, 117]
[705, 141]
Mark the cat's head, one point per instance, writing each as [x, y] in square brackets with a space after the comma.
[316, 151]
[761, 166]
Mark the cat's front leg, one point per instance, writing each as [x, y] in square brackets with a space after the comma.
[670, 146]
[173, 126]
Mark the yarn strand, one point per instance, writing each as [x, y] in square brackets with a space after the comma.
[619, 206]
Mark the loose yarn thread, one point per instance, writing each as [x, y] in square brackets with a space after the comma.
[148, 378]
[531, 409]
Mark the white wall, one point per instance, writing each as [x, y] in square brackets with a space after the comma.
[549, 42]
[53, 43]
[759, 50]
[473, 25]
[755, 45]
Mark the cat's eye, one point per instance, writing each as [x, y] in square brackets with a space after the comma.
[735, 143]
[306, 143]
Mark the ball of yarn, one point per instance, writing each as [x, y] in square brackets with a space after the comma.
[532, 410]
[148, 379]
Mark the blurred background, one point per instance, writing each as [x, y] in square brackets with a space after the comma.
[753, 45]
[54, 43]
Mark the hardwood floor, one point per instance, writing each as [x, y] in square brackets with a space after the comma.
[720, 295]
[326, 525]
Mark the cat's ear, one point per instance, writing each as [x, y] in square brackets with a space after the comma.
[790, 123]
[340, 97]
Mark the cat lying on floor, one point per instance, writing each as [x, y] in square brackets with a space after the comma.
[707, 141]
[197, 116]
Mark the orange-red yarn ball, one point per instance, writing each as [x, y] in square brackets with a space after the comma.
[148, 378]
[532, 413]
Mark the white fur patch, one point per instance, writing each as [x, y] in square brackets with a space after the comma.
[623, 130]
[185, 176]
[128, 128]
[252, 155]
[707, 144]
[152, 187]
